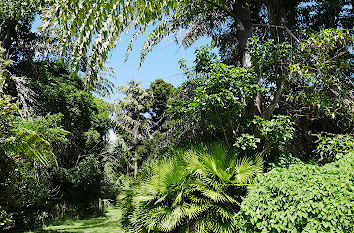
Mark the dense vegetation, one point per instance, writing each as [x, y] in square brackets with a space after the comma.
[259, 137]
[301, 198]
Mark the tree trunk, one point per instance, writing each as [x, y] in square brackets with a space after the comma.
[244, 32]
[135, 169]
[136, 142]
[136, 163]
[276, 16]
[128, 170]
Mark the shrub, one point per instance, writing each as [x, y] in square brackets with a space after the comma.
[27, 193]
[332, 146]
[5, 219]
[84, 184]
[197, 190]
[301, 198]
[277, 131]
[281, 160]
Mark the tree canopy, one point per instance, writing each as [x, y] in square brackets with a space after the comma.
[96, 26]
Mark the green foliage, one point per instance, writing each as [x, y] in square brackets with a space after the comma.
[246, 141]
[281, 160]
[161, 92]
[47, 126]
[32, 138]
[301, 198]
[70, 123]
[84, 116]
[197, 189]
[86, 178]
[333, 146]
[21, 140]
[27, 193]
[277, 131]
[16, 19]
[204, 58]
[31, 145]
[321, 69]
[5, 219]
[217, 101]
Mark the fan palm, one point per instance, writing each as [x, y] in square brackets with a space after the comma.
[197, 190]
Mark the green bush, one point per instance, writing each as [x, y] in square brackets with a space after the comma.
[5, 219]
[81, 186]
[197, 190]
[87, 179]
[301, 198]
[27, 193]
[331, 147]
[281, 160]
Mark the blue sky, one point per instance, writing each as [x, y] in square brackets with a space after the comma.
[162, 62]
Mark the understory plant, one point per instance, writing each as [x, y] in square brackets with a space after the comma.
[5, 219]
[197, 189]
[301, 198]
[331, 147]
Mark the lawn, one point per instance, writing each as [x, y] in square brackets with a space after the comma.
[107, 223]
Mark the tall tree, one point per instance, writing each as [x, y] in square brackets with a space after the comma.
[16, 19]
[161, 92]
[131, 118]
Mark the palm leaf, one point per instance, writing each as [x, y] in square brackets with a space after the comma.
[30, 145]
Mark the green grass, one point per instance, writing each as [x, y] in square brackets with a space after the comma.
[107, 223]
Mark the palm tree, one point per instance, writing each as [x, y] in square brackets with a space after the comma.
[197, 190]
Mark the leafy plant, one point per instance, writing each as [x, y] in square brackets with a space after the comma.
[19, 140]
[5, 219]
[331, 147]
[301, 198]
[281, 160]
[198, 190]
[247, 141]
[277, 131]
[86, 179]
[216, 99]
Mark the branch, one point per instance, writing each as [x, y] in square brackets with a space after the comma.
[270, 109]
[281, 27]
[221, 7]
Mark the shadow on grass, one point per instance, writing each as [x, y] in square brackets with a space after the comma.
[108, 223]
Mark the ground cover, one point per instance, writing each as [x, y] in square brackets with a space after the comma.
[107, 223]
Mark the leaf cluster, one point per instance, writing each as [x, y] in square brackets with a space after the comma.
[197, 189]
[331, 147]
[301, 198]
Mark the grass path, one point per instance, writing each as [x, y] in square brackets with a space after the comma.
[105, 224]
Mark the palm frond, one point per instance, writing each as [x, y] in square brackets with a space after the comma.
[197, 190]
[30, 145]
